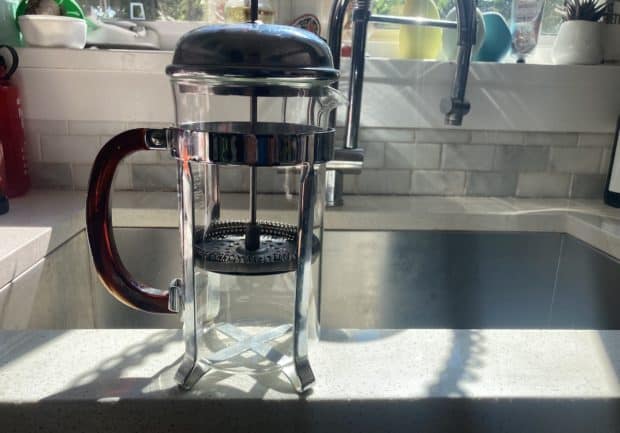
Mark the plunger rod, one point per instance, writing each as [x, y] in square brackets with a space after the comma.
[254, 10]
[252, 233]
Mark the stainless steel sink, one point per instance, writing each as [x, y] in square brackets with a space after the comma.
[420, 279]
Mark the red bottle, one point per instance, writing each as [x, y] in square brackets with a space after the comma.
[12, 130]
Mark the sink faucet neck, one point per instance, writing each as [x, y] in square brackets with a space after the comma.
[455, 107]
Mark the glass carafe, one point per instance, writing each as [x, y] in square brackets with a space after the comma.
[250, 285]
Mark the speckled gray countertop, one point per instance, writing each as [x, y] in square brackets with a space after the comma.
[374, 380]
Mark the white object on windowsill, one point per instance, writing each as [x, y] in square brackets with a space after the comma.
[53, 31]
[579, 42]
[123, 35]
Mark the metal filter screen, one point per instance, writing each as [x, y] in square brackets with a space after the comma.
[222, 249]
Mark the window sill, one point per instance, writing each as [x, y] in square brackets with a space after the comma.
[503, 96]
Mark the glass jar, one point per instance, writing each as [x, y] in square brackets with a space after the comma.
[246, 294]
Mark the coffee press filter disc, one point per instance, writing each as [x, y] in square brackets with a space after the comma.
[222, 249]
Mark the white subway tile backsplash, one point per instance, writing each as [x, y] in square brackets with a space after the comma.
[47, 127]
[153, 178]
[58, 148]
[81, 175]
[123, 178]
[426, 156]
[374, 154]
[385, 134]
[349, 184]
[543, 185]
[551, 139]
[598, 140]
[33, 146]
[492, 184]
[520, 158]
[437, 182]
[412, 156]
[144, 157]
[103, 95]
[575, 159]
[442, 136]
[383, 182]
[50, 175]
[588, 186]
[497, 137]
[79, 127]
[467, 156]
[397, 161]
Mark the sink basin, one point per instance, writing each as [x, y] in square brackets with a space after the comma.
[560, 375]
[467, 280]
[419, 279]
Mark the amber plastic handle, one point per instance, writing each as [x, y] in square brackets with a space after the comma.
[108, 264]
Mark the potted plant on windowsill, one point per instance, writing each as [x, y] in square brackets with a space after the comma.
[579, 41]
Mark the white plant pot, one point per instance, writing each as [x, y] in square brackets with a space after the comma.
[53, 31]
[578, 43]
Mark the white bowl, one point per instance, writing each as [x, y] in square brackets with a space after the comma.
[53, 31]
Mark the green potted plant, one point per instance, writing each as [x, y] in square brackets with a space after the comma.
[579, 41]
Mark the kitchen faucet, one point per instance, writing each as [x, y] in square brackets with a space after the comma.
[350, 158]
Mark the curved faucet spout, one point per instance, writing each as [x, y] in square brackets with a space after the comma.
[455, 107]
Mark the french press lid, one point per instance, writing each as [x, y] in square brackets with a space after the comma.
[254, 51]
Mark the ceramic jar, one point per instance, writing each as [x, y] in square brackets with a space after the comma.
[578, 43]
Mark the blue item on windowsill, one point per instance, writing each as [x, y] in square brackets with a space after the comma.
[497, 39]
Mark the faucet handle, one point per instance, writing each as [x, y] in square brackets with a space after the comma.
[454, 109]
[348, 161]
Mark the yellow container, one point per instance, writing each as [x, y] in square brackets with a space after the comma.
[417, 42]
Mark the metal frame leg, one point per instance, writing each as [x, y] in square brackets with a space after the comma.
[191, 368]
[300, 373]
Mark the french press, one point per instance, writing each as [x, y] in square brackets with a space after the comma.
[254, 96]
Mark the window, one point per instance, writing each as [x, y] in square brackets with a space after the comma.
[551, 19]
[213, 10]
[169, 10]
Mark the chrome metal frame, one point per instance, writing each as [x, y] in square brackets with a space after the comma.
[191, 146]
[233, 143]
[191, 369]
[454, 107]
[303, 377]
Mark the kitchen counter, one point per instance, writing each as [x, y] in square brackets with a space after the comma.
[42, 220]
[368, 381]
[427, 380]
